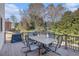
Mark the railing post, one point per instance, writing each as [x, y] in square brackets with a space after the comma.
[65, 41]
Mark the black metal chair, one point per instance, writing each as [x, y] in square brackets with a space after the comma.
[31, 45]
[56, 43]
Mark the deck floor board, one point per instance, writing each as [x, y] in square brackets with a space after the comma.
[15, 49]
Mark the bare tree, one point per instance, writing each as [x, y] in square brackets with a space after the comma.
[36, 11]
[55, 12]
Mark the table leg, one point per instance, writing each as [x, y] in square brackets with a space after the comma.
[46, 49]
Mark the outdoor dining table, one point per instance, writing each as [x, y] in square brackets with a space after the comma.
[44, 40]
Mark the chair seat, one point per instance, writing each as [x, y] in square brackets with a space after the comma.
[34, 47]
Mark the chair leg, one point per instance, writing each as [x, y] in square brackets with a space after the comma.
[39, 51]
[59, 46]
[26, 54]
[56, 47]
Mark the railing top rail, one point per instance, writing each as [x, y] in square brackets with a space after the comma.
[66, 35]
[59, 34]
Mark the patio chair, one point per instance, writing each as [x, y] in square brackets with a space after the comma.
[56, 43]
[59, 42]
[32, 34]
[31, 45]
[25, 37]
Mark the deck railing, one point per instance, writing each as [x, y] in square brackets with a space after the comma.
[68, 41]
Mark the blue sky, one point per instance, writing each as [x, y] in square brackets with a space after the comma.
[13, 9]
[23, 6]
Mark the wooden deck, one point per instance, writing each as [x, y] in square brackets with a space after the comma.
[15, 49]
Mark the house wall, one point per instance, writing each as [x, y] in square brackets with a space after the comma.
[2, 10]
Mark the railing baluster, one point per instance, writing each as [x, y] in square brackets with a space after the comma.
[70, 42]
[65, 41]
[78, 43]
[74, 42]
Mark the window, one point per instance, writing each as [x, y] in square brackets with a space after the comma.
[0, 24]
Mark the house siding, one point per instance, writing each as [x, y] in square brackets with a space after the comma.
[2, 10]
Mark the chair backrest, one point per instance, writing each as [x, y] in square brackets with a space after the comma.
[24, 37]
[59, 40]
